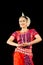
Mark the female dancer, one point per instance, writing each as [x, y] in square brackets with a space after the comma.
[25, 39]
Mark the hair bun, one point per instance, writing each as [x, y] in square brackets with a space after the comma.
[23, 14]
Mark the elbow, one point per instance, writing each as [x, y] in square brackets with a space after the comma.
[7, 42]
[40, 39]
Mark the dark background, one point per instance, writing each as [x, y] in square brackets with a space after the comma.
[10, 13]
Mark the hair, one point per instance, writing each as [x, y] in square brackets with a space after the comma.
[27, 18]
[23, 17]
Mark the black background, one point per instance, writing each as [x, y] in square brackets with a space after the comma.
[10, 13]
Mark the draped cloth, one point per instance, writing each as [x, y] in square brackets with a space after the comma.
[24, 55]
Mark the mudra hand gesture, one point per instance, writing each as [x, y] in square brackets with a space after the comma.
[24, 44]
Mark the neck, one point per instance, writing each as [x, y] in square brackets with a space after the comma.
[24, 29]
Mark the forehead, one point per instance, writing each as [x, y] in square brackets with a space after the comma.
[22, 18]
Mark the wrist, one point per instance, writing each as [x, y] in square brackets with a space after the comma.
[29, 43]
[16, 44]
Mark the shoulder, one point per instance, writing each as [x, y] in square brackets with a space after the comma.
[16, 32]
[32, 29]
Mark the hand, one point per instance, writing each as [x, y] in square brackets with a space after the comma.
[23, 44]
[19, 45]
[26, 44]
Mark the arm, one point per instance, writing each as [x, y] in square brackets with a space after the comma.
[36, 36]
[37, 40]
[10, 41]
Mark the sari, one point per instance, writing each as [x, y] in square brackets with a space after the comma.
[24, 55]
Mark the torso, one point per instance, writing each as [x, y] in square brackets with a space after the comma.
[23, 37]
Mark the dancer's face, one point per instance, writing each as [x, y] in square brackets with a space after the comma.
[22, 22]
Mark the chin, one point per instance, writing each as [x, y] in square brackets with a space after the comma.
[23, 26]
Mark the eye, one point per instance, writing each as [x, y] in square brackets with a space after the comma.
[23, 20]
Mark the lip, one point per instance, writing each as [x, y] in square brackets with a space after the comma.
[22, 24]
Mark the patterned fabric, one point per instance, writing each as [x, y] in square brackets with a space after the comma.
[22, 59]
[25, 51]
[27, 60]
